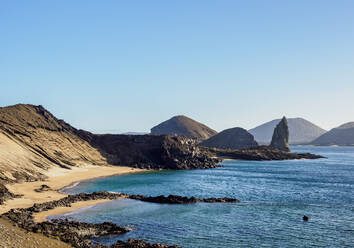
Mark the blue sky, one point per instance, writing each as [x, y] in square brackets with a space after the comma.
[128, 65]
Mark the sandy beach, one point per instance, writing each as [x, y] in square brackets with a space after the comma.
[59, 178]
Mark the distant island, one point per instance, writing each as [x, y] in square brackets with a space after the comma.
[340, 136]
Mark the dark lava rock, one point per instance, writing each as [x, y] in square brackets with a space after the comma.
[5, 194]
[183, 126]
[42, 188]
[233, 138]
[175, 199]
[261, 153]
[137, 243]
[151, 151]
[79, 234]
[280, 137]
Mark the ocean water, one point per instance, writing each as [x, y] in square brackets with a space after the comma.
[274, 194]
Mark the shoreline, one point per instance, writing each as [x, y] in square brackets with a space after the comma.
[58, 179]
[42, 216]
[74, 184]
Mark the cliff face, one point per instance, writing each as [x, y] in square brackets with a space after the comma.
[184, 126]
[280, 137]
[341, 136]
[33, 140]
[151, 151]
[233, 138]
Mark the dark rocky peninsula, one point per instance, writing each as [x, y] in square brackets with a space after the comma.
[261, 153]
[79, 234]
[151, 151]
[33, 140]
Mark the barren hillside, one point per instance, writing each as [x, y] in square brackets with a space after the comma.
[32, 140]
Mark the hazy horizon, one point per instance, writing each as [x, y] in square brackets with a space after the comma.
[127, 66]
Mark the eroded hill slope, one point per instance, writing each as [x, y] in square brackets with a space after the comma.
[32, 140]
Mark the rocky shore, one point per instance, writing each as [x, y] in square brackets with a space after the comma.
[79, 234]
[5, 194]
[261, 153]
[175, 199]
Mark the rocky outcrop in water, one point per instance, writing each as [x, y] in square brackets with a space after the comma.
[233, 138]
[175, 199]
[280, 137]
[137, 243]
[261, 153]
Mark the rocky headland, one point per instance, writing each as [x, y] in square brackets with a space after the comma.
[32, 141]
[151, 151]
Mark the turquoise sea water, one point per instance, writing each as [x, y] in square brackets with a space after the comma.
[275, 195]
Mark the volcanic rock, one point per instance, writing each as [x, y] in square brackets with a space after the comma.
[80, 234]
[280, 137]
[152, 151]
[5, 194]
[42, 188]
[175, 199]
[137, 243]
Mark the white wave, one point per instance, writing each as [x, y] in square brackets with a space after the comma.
[69, 187]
